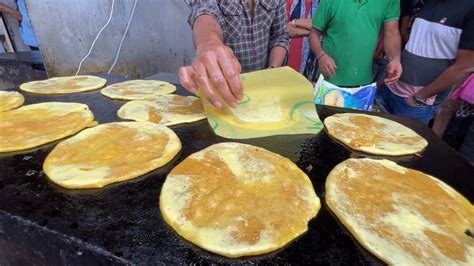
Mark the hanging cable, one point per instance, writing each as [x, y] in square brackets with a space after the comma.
[96, 38]
[123, 38]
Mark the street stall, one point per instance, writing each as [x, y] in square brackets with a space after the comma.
[46, 224]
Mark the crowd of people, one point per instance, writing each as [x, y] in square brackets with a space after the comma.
[423, 48]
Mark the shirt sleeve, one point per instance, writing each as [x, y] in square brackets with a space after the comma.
[393, 11]
[204, 7]
[467, 35]
[279, 30]
[322, 15]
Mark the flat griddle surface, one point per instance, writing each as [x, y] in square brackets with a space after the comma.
[43, 224]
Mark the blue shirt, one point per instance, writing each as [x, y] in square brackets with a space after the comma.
[25, 29]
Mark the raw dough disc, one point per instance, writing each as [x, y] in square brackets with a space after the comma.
[402, 216]
[166, 110]
[373, 134]
[37, 124]
[138, 89]
[10, 100]
[111, 153]
[62, 85]
[238, 200]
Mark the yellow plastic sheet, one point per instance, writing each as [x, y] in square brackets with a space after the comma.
[277, 101]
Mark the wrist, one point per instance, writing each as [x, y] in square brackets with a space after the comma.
[211, 41]
[293, 22]
[320, 55]
[418, 101]
[395, 60]
[419, 95]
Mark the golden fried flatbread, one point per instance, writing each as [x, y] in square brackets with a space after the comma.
[402, 216]
[10, 100]
[37, 124]
[238, 200]
[166, 110]
[138, 89]
[373, 134]
[62, 85]
[111, 153]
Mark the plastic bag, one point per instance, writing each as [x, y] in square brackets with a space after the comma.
[360, 98]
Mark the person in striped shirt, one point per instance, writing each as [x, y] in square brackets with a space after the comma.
[439, 52]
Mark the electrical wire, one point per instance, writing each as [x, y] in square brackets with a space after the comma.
[123, 37]
[96, 38]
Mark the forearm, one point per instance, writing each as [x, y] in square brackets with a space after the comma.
[305, 23]
[392, 44]
[206, 29]
[277, 56]
[315, 42]
[451, 76]
[404, 24]
[12, 12]
[295, 32]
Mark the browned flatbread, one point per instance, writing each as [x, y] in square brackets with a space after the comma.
[374, 135]
[402, 216]
[238, 200]
[37, 124]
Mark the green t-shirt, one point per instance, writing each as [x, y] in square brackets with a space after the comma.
[352, 28]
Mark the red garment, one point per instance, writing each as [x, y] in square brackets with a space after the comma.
[379, 50]
[296, 44]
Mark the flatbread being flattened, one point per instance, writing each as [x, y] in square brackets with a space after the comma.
[138, 89]
[402, 216]
[61, 85]
[10, 100]
[238, 200]
[166, 110]
[111, 153]
[374, 135]
[37, 124]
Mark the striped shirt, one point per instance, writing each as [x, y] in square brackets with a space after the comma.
[250, 38]
[441, 28]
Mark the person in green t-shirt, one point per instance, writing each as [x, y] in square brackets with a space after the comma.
[351, 29]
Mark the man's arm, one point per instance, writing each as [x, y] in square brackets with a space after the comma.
[320, 24]
[295, 31]
[462, 66]
[404, 32]
[326, 64]
[279, 40]
[277, 56]
[215, 65]
[299, 28]
[392, 47]
[12, 12]
[305, 23]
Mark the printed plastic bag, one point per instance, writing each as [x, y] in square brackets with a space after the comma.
[360, 98]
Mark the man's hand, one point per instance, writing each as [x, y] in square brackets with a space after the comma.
[327, 66]
[215, 70]
[215, 66]
[394, 71]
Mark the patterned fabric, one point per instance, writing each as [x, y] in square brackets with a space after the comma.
[466, 110]
[250, 38]
[299, 10]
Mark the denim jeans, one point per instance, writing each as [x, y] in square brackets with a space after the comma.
[396, 105]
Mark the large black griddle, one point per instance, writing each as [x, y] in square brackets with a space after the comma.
[43, 224]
